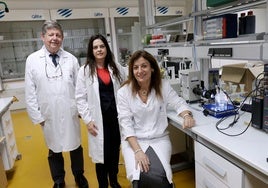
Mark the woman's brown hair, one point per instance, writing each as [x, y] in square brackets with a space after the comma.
[156, 80]
[109, 59]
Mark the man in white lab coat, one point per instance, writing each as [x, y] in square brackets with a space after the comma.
[50, 78]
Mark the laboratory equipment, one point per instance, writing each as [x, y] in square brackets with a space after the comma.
[189, 79]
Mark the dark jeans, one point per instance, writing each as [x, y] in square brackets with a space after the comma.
[56, 164]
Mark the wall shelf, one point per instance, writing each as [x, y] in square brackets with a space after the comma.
[174, 51]
[245, 47]
[224, 9]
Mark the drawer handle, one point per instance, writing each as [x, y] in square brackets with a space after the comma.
[214, 167]
[208, 184]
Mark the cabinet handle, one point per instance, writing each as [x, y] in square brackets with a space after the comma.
[208, 184]
[214, 167]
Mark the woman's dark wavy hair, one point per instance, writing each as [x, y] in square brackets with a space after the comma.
[109, 59]
[156, 80]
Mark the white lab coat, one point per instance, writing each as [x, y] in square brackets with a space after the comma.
[89, 107]
[148, 123]
[53, 99]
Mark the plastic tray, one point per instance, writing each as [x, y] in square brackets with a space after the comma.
[211, 110]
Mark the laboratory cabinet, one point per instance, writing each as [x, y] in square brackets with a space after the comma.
[9, 151]
[18, 44]
[213, 170]
[3, 177]
[126, 28]
[20, 32]
[79, 25]
[19, 36]
[245, 47]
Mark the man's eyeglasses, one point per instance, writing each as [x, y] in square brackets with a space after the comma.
[53, 76]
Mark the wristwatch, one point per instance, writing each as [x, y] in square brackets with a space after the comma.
[187, 114]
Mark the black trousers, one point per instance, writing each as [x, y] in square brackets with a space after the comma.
[155, 177]
[56, 164]
[111, 149]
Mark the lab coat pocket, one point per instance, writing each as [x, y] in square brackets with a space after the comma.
[45, 110]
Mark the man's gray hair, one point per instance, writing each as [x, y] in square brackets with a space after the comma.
[51, 25]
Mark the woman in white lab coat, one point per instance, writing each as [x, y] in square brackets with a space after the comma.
[142, 105]
[98, 81]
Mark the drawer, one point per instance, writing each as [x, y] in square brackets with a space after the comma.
[221, 168]
[10, 135]
[7, 123]
[204, 179]
[6, 119]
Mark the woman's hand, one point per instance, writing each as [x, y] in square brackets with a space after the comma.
[188, 122]
[92, 128]
[142, 160]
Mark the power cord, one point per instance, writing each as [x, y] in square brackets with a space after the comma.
[236, 116]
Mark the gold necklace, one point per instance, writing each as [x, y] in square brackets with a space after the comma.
[143, 92]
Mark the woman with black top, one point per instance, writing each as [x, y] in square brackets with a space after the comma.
[98, 80]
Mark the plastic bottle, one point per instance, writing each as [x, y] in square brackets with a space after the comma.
[250, 20]
[242, 23]
[221, 101]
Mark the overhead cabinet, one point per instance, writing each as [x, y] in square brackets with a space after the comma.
[245, 47]
[79, 25]
[20, 32]
[125, 29]
[19, 36]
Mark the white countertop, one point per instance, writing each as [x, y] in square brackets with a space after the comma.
[249, 150]
[5, 103]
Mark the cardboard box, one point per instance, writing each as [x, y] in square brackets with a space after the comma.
[242, 74]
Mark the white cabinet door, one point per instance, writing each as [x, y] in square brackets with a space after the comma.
[223, 170]
[9, 152]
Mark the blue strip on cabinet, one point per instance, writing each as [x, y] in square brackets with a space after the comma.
[65, 12]
[122, 10]
[162, 10]
[2, 13]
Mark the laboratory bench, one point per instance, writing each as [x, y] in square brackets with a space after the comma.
[222, 160]
[8, 148]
